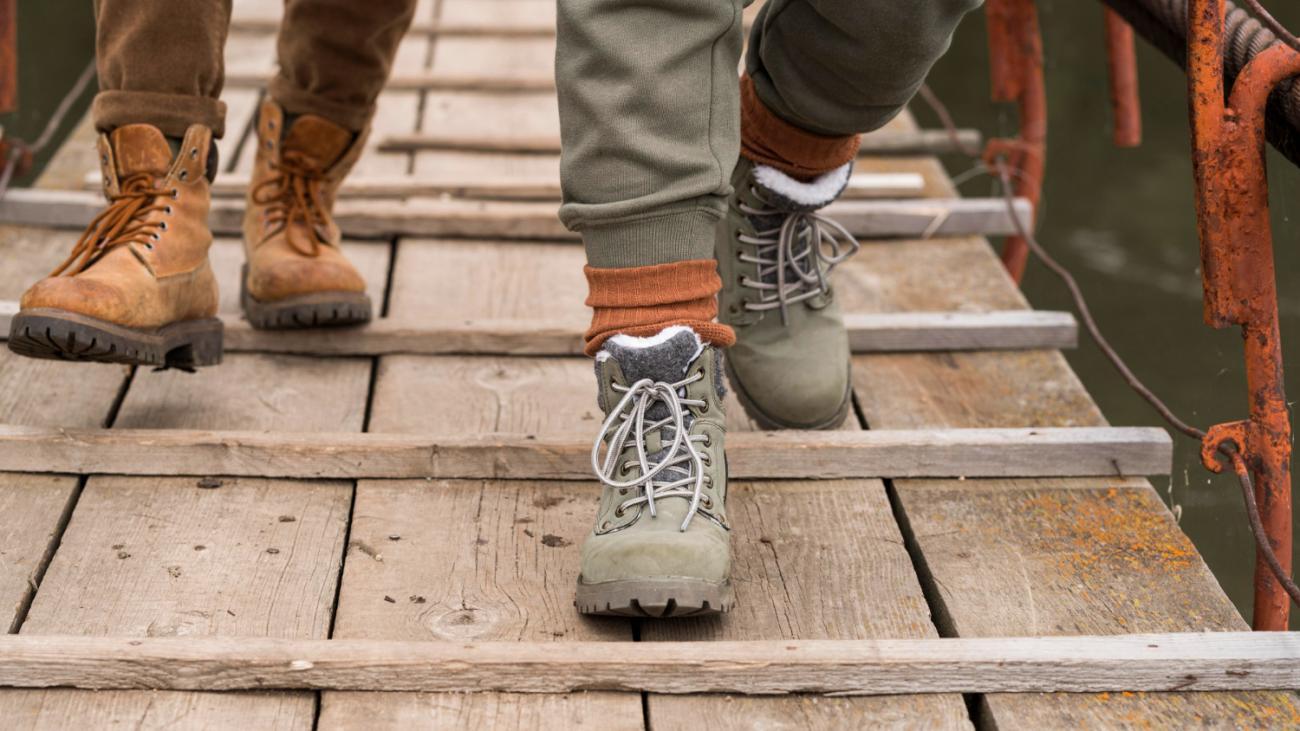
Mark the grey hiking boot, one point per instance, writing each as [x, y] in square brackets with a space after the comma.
[660, 546]
[790, 363]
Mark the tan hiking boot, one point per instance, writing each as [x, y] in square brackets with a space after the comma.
[137, 287]
[775, 250]
[661, 545]
[296, 275]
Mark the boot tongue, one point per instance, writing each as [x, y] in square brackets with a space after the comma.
[140, 148]
[663, 357]
[317, 138]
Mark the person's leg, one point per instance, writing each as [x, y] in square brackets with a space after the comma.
[137, 287]
[649, 121]
[819, 72]
[160, 63]
[335, 56]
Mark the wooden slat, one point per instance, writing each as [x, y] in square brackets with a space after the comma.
[506, 219]
[431, 28]
[1143, 662]
[861, 185]
[426, 82]
[1101, 451]
[918, 142]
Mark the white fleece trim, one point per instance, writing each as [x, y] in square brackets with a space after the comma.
[633, 342]
[817, 192]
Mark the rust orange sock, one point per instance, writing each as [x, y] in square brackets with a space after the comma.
[769, 140]
[641, 301]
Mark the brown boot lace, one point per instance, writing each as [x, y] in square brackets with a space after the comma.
[119, 224]
[294, 193]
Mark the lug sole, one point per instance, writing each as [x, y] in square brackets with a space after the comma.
[655, 598]
[60, 335]
[318, 309]
[768, 423]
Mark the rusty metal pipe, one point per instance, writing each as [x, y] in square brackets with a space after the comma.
[1016, 64]
[1121, 58]
[8, 55]
[1238, 271]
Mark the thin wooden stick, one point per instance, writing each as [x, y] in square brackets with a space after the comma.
[876, 453]
[912, 218]
[1222, 661]
[884, 142]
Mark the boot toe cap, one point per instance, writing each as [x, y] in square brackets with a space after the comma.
[702, 552]
[294, 277]
[791, 390]
[83, 296]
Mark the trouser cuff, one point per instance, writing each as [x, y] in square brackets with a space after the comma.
[171, 113]
[296, 101]
[661, 238]
[769, 140]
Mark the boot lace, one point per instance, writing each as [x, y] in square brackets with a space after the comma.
[806, 246]
[675, 471]
[121, 223]
[294, 193]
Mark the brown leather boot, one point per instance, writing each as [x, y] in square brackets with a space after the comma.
[296, 275]
[137, 287]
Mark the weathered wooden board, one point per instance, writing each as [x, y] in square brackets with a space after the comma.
[1139, 662]
[1036, 452]
[918, 142]
[174, 556]
[511, 219]
[868, 333]
[34, 507]
[514, 187]
[486, 84]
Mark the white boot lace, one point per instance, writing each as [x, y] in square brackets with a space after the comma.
[679, 470]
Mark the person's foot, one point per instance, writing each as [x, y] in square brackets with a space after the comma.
[660, 546]
[137, 288]
[790, 363]
[296, 275]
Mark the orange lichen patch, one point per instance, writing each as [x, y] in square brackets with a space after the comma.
[1088, 529]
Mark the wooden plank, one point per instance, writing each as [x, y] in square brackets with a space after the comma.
[918, 142]
[1140, 662]
[1042, 452]
[861, 185]
[251, 25]
[881, 333]
[425, 82]
[510, 219]
[164, 556]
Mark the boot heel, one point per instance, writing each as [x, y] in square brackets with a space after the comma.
[194, 344]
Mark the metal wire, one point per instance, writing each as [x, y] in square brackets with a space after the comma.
[21, 149]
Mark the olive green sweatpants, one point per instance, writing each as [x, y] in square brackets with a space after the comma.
[649, 102]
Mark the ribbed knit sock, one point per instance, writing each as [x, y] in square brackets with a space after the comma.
[643, 300]
[769, 140]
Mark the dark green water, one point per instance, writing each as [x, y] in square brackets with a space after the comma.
[1122, 220]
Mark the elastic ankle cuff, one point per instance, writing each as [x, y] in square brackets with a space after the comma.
[769, 140]
[653, 239]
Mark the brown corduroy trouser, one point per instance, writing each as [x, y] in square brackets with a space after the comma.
[161, 61]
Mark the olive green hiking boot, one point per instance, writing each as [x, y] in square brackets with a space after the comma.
[661, 544]
[790, 363]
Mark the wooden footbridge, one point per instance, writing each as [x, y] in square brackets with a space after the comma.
[399, 508]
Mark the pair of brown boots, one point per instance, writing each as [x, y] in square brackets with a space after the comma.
[138, 287]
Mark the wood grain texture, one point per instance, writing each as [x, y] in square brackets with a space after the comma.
[167, 556]
[1138, 662]
[960, 453]
[514, 219]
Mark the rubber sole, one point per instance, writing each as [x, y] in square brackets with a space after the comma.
[319, 309]
[768, 423]
[655, 598]
[60, 335]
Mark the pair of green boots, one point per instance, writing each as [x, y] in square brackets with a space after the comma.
[660, 546]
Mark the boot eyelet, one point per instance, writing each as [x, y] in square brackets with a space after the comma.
[194, 153]
[706, 501]
[168, 210]
[734, 309]
[605, 525]
[163, 225]
[704, 407]
[185, 175]
[708, 440]
[103, 159]
[618, 512]
[176, 194]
